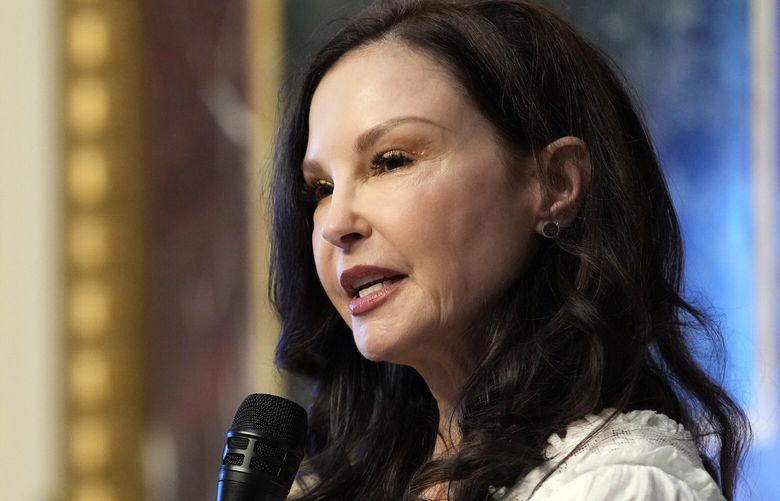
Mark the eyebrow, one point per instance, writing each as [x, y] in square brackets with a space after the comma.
[372, 135]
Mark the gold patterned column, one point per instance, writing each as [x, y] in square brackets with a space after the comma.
[102, 236]
[264, 39]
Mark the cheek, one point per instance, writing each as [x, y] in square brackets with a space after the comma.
[478, 243]
[458, 216]
[323, 261]
[317, 250]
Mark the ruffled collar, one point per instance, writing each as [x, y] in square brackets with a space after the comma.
[591, 430]
[610, 419]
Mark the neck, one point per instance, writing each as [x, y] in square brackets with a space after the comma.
[446, 384]
[445, 381]
[445, 371]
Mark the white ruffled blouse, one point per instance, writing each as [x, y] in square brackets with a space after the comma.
[638, 456]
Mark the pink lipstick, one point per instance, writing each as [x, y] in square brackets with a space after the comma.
[369, 287]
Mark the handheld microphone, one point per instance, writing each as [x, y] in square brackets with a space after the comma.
[263, 450]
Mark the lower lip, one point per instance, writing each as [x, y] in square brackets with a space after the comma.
[362, 305]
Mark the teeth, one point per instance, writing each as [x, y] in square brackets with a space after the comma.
[373, 288]
[366, 280]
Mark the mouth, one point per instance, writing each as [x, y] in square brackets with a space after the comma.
[362, 280]
[376, 285]
[369, 286]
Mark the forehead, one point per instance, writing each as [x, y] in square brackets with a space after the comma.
[385, 79]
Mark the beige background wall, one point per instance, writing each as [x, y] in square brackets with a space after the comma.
[29, 241]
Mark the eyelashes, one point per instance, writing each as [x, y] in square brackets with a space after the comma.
[315, 191]
[389, 161]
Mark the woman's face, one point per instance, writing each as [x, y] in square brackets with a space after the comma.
[421, 221]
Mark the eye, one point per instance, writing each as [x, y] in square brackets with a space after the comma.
[390, 160]
[315, 191]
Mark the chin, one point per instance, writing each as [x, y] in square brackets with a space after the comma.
[377, 347]
[372, 356]
[371, 351]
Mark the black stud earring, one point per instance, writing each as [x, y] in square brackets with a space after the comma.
[551, 229]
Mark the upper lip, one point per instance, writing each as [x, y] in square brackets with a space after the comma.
[354, 278]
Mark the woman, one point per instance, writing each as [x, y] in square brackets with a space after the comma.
[476, 261]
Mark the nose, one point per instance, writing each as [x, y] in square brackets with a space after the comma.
[343, 224]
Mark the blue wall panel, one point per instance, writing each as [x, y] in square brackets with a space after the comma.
[689, 61]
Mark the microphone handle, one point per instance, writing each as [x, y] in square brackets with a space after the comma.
[229, 490]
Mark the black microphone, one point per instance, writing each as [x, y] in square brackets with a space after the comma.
[263, 450]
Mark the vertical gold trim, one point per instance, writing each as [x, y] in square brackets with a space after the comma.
[763, 51]
[264, 38]
[102, 250]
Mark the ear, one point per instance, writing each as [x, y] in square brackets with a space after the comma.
[565, 165]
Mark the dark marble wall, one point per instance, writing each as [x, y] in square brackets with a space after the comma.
[196, 257]
[308, 23]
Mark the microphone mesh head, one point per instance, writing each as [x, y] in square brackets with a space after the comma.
[273, 416]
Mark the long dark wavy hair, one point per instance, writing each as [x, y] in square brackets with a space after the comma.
[595, 321]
